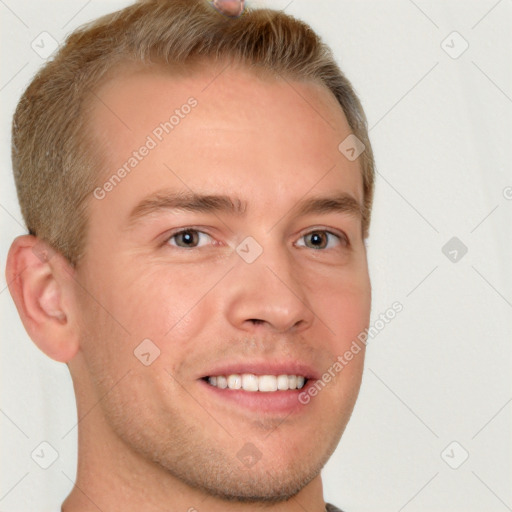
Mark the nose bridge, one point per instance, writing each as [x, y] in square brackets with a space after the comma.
[266, 288]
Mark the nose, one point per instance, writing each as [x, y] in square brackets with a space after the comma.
[268, 294]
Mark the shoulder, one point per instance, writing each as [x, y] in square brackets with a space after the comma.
[331, 508]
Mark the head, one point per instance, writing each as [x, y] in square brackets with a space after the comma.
[191, 215]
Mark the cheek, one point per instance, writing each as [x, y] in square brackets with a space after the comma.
[165, 304]
[342, 300]
[347, 314]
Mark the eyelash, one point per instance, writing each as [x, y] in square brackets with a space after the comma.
[341, 238]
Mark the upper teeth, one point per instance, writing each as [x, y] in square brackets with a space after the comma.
[251, 382]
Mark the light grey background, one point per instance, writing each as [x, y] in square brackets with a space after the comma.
[440, 371]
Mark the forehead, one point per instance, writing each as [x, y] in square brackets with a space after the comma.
[244, 128]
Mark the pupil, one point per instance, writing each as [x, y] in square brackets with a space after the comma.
[316, 239]
[188, 237]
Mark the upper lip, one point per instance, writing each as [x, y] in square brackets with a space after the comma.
[262, 367]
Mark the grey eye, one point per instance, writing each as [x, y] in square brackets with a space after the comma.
[187, 238]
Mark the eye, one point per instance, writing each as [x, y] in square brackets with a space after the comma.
[188, 238]
[322, 239]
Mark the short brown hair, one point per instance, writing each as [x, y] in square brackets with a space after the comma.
[53, 162]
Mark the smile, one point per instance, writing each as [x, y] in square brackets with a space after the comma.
[257, 383]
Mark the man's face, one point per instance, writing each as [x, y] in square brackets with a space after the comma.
[287, 301]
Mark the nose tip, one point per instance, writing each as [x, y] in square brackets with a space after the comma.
[266, 298]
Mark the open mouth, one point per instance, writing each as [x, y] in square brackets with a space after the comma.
[257, 383]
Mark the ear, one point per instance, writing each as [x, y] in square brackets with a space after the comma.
[41, 283]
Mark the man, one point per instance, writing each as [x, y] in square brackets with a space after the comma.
[197, 189]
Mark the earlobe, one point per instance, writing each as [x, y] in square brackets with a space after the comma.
[40, 282]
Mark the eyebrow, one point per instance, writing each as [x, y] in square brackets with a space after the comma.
[213, 203]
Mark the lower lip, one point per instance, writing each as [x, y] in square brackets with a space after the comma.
[274, 402]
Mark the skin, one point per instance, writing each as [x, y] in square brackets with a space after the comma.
[150, 438]
[229, 7]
